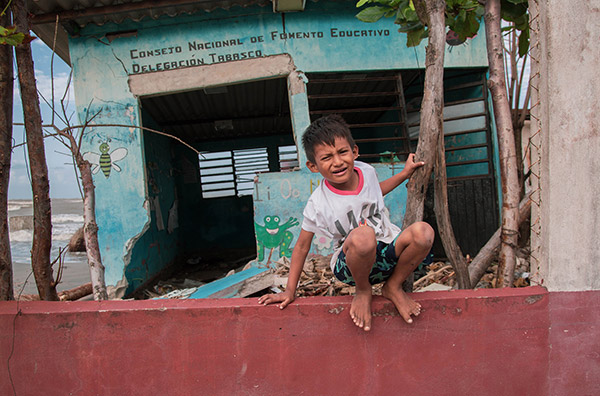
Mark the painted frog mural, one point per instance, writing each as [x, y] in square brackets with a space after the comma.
[273, 235]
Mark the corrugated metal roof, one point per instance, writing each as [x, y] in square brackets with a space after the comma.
[261, 108]
[258, 108]
[84, 12]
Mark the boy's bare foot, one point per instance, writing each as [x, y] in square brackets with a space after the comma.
[405, 305]
[360, 311]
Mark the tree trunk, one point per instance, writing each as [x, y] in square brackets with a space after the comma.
[431, 105]
[42, 226]
[90, 231]
[484, 258]
[442, 215]
[90, 228]
[6, 110]
[506, 144]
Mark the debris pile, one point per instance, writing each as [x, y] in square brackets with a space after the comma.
[317, 279]
[436, 273]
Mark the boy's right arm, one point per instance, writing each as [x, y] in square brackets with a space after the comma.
[298, 257]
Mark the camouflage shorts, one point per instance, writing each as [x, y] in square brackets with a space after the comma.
[385, 262]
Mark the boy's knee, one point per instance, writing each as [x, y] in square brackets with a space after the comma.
[362, 240]
[423, 234]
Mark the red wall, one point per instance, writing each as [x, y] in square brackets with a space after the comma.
[485, 342]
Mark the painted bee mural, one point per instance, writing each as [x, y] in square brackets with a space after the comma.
[104, 160]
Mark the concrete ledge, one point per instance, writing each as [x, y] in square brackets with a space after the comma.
[485, 342]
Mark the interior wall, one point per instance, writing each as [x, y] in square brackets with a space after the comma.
[157, 247]
[225, 223]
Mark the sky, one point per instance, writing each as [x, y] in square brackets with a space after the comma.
[61, 174]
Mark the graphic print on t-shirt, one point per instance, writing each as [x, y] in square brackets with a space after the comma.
[369, 214]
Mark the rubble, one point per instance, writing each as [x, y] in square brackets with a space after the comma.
[317, 279]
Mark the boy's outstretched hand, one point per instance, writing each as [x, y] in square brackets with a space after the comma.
[284, 298]
[410, 165]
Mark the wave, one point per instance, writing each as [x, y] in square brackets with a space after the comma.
[60, 232]
[21, 236]
[67, 218]
[17, 204]
[72, 200]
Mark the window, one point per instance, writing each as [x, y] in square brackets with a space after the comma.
[288, 158]
[231, 173]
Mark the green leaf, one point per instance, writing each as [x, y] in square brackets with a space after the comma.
[411, 15]
[361, 3]
[511, 12]
[414, 37]
[7, 31]
[524, 42]
[13, 39]
[372, 14]
[407, 27]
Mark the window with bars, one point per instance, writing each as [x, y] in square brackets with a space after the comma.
[288, 158]
[247, 164]
[372, 103]
[232, 172]
[466, 126]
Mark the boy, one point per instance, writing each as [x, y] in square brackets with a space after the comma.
[348, 206]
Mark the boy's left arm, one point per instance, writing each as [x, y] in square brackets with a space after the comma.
[397, 179]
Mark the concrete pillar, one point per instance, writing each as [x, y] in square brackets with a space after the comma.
[566, 113]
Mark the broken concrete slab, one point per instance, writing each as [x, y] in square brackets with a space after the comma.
[241, 284]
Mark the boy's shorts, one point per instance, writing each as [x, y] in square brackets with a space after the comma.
[385, 262]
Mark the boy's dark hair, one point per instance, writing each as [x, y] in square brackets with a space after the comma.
[324, 131]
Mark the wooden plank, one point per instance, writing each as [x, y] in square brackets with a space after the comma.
[241, 284]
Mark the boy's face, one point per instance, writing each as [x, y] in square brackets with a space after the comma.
[336, 163]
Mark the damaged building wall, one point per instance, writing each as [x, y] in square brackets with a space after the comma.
[157, 247]
[325, 37]
[279, 200]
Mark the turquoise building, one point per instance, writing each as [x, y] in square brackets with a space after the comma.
[195, 111]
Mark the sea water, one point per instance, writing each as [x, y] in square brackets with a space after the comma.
[67, 217]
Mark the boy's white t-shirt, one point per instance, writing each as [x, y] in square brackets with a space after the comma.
[334, 213]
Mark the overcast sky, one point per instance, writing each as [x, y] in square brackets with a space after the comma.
[60, 169]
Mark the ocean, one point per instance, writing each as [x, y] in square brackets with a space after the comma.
[67, 217]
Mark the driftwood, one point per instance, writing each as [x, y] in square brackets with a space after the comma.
[77, 241]
[65, 295]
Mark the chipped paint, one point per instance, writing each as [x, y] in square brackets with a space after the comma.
[336, 310]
